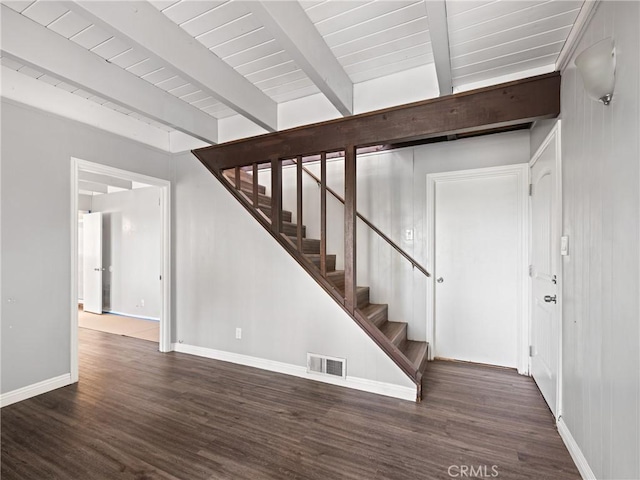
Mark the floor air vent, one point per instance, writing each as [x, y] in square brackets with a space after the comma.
[326, 365]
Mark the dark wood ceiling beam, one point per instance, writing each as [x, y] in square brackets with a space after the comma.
[498, 106]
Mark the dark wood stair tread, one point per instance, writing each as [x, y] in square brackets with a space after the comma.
[315, 259]
[286, 215]
[396, 332]
[291, 229]
[377, 313]
[309, 245]
[416, 352]
[246, 181]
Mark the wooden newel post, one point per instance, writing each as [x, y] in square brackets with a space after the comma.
[276, 195]
[350, 228]
[238, 180]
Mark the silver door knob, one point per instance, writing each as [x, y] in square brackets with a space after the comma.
[550, 299]
[440, 280]
[97, 269]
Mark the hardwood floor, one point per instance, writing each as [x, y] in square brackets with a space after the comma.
[139, 414]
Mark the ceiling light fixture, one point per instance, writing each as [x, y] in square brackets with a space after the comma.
[597, 66]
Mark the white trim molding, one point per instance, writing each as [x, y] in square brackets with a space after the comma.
[575, 451]
[34, 390]
[356, 383]
[521, 172]
[587, 11]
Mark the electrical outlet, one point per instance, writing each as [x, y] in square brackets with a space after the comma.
[142, 302]
[408, 235]
[238, 333]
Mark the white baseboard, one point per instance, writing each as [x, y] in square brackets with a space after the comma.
[123, 314]
[35, 389]
[574, 451]
[363, 384]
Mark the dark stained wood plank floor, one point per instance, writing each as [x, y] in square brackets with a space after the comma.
[139, 414]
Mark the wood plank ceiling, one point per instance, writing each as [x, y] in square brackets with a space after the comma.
[488, 40]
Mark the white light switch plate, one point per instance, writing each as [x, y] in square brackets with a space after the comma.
[564, 246]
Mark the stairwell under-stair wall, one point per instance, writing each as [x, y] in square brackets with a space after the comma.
[230, 273]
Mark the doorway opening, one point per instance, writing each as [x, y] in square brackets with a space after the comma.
[477, 223]
[120, 254]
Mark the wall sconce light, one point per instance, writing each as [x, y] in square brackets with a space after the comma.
[597, 66]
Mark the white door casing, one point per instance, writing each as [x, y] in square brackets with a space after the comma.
[92, 268]
[477, 222]
[545, 323]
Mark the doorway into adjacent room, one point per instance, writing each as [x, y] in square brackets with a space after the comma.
[120, 253]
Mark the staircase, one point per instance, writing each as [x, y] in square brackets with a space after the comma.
[391, 336]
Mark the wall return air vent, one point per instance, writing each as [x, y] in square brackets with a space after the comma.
[321, 364]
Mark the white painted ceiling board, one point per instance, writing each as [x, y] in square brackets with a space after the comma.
[519, 45]
[129, 58]
[272, 72]
[171, 83]
[456, 7]
[184, 90]
[44, 12]
[205, 102]
[97, 99]
[524, 66]
[50, 80]
[145, 67]
[394, 46]
[18, 5]
[564, 20]
[372, 10]
[296, 94]
[389, 69]
[282, 80]
[182, 11]
[400, 55]
[214, 18]
[507, 60]
[233, 29]
[11, 63]
[321, 11]
[242, 43]
[540, 11]
[254, 53]
[84, 94]
[487, 12]
[91, 37]
[162, 4]
[195, 96]
[375, 25]
[417, 26]
[263, 62]
[112, 47]
[69, 24]
[31, 72]
[160, 76]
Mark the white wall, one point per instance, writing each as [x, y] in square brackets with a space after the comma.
[392, 194]
[230, 273]
[36, 233]
[131, 251]
[601, 315]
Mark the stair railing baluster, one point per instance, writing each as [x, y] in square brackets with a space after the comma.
[255, 186]
[323, 214]
[299, 203]
[350, 218]
[276, 195]
[238, 179]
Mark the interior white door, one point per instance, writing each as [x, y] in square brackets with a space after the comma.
[477, 235]
[544, 307]
[92, 269]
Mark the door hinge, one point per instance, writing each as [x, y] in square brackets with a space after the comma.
[531, 270]
[530, 189]
[531, 350]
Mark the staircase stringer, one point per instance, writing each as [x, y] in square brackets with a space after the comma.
[371, 330]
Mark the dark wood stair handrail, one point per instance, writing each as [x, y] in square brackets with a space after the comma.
[408, 257]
